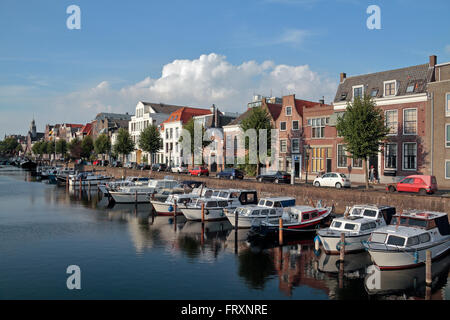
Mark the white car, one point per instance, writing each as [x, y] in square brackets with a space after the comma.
[332, 179]
[180, 169]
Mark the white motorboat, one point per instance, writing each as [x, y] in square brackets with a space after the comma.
[87, 179]
[166, 207]
[129, 181]
[267, 207]
[215, 205]
[141, 194]
[404, 243]
[357, 226]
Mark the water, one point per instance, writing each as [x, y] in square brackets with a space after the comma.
[125, 253]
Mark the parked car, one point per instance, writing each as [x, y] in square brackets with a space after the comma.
[332, 179]
[274, 176]
[180, 169]
[230, 173]
[160, 167]
[116, 164]
[199, 171]
[96, 162]
[422, 184]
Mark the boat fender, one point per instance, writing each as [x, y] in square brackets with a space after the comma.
[170, 208]
[416, 256]
[338, 245]
[206, 212]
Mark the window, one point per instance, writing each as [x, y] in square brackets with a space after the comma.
[283, 126]
[337, 224]
[447, 105]
[410, 88]
[283, 146]
[378, 237]
[295, 146]
[389, 88]
[295, 125]
[317, 159]
[412, 241]
[350, 226]
[305, 216]
[374, 93]
[396, 241]
[358, 92]
[410, 121]
[424, 238]
[255, 213]
[390, 156]
[357, 163]
[410, 156]
[342, 156]
[370, 213]
[288, 111]
[447, 169]
[391, 121]
[318, 127]
[447, 135]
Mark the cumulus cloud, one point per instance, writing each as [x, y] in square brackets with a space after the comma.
[210, 79]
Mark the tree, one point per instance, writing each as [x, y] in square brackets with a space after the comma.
[61, 147]
[42, 148]
[363, 128]
[36, 148]
[50, 147]
[190, 127]
[75, 148]
[150, 140]
[102, 145]
[258, 119]
[87, 147]
[9, 145]
[124, 145]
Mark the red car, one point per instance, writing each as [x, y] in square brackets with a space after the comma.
[97, 163]
[416, 183]
[199, 171]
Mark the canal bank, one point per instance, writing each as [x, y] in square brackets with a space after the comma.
[305, 193]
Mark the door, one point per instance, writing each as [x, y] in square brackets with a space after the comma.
[405, 185]
[329, 163]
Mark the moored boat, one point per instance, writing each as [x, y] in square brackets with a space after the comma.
[141, 194]
[404, 243]
[266, 207]
[357, 226]
[87, 179]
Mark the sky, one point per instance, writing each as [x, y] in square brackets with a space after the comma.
[198, 53]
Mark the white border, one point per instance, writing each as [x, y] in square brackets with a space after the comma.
[384, 156]
[390, 110]
[403, 122]
[395, 89]
[337, 156]
[403, 156]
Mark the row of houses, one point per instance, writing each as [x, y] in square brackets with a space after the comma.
[415, 101]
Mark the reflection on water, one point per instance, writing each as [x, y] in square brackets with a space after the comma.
[126, 251]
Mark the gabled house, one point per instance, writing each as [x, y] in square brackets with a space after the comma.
[402, 94]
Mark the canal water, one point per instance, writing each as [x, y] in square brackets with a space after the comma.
[126, 253]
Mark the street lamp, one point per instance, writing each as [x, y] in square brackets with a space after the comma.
[306, 148]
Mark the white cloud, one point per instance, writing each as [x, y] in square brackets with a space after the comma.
[202, 82]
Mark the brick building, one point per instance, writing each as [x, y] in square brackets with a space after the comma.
[402, 94]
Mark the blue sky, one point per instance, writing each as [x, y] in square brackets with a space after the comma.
[254, 46]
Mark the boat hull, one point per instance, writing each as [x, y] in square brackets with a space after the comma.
[195, 214]
[122, 197]
[245, 222]
[165, 209]
[93, 182]
[402, 259]
[353, 244]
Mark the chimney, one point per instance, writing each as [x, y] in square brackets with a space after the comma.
[343, 76]
[322, 101]
[433, 61]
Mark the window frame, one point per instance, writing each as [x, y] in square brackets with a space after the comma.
[337, 155]
[395, 88]
[385, 121]
[447, 104]
[357, 87]
[286, 111]
[417, 116]
[447, 142]
[285, 126]
[298, 125]
[292, 145]
[396, 155]
[281, 150]
[353, 163]
[447, 177]
[403, 156]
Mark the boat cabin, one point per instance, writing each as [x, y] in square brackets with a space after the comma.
[163, 184]
[302, 213]
[373, 212]
[423, 220]
[278, 202]
[256, 211]
[353, 224]
[242, 197]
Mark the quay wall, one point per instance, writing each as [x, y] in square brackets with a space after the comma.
[305, 193]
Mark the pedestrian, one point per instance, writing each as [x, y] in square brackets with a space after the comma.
[371, 174]
[376, 176]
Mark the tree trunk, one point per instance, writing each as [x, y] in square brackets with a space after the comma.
[366, 174]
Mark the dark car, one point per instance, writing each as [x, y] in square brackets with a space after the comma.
[116, 164]
[160, 167]
[274, 176]
[230, 173]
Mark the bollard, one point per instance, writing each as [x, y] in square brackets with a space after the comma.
[202, 239]
[203, 212]
[342, 249]
[428, 275]
[135, 196]
[236, 220]
[80, 185]
[175, 209]
[280, 233]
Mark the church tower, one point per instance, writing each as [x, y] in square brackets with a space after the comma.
[33, 129]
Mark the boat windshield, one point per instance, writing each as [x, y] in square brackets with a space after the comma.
[211, 204]
[223, 194]
[356, 212]
[215, 193]
[261, 202]
[370, 213]
[351, 227]
[396, 241]
[378, 237]
[153, 183]
[269, 203]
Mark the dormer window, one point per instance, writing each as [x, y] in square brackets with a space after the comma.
[358, 92]
[390, 88]
[343, 96]
[410, 88]
[288, 111]
[374, 93]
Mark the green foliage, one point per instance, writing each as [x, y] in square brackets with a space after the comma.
[258, 119]
[36, 148]
[150, 140]
[9, 146]
[124, 145]
[49, 147]
[363, 128]
[249, 169]
[61, 147]
[75, 149]
[87, 147]
[102, 144]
